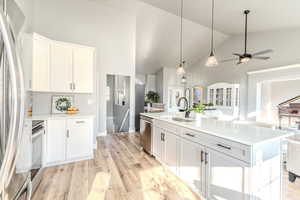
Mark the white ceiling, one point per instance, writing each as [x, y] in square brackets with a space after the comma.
[265, 14]
[157, 43]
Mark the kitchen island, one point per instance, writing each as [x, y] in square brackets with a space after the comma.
[220, 160]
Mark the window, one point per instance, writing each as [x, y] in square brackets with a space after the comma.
[236, 96]
[211, 96]
[219, 97]
[228, 96]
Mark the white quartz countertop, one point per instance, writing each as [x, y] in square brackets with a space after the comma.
[60, 116]
[242, 133]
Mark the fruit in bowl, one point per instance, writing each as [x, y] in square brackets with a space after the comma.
[72, 110]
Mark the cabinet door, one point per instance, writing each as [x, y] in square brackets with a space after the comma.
[157, 143]
[83, 69]
[192, 169]
[172, 148]
[41, 65]
[61, 67]
[79, 142]
[56, 141]
[226, 177]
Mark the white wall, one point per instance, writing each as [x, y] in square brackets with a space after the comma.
[110, 26]
[286, 46]
[275, 93]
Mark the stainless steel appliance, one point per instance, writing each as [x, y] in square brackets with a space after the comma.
[13, 184]
[38, 130]
[146, 133]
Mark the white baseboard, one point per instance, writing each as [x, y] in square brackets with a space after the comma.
[104, 133]
[132, 130]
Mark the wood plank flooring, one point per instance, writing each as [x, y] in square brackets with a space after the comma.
[120, 171]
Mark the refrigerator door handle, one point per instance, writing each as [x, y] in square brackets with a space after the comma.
[17, 101]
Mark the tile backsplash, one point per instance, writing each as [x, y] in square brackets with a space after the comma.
[42, 102]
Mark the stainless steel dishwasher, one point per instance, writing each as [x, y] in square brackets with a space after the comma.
[146, 134]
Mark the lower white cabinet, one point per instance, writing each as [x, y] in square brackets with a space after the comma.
[78, 144]
[192, 166]
[68, 140]
[166, 148]
[218, 169]
[227, 177]
[56, 141]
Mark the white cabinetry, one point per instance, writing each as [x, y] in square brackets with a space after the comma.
[224, 97]
[192, 168]
[62, 67]
[41, 64]
[56, 141]
[217, 168]
[78, 139]
[83, 69]
[68, 140]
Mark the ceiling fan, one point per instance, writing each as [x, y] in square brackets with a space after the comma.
[246, 57]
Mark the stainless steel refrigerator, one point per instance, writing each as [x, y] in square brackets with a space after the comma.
[13, 184]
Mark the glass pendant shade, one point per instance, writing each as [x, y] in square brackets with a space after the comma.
[180, 70]
[211, 60]
[183, 79]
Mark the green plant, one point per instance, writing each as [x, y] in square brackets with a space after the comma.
[199, 108]
[152, 97]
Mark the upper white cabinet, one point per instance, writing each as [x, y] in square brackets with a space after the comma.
[41, 64]
[62, 67]
[224, 97]
[83, 65]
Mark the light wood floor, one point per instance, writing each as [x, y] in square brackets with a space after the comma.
[119, 172]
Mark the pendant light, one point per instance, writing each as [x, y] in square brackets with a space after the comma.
[212, 60]
[183, 80]
[182, 63]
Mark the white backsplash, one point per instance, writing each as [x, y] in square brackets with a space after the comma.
[42, 103]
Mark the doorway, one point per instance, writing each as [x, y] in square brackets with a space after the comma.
[117, 103]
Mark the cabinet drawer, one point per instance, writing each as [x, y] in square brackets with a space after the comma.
[236, 150]
[167, 126]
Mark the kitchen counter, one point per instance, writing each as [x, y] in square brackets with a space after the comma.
[59, 116]
[246, 134]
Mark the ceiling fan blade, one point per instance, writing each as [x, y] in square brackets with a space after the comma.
[237, 54]
[262, 52]
[261, 57]
[228, 60]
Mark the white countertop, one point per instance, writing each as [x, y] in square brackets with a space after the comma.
[242, 133]
[59, 116]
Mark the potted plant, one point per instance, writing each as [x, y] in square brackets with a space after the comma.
[198, 110]
[152, 97]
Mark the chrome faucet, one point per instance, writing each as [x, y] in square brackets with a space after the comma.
[186, 106]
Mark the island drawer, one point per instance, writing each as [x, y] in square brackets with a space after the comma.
[234, 149]
[167, 126]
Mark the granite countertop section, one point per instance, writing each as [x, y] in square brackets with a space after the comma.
[242, 133]
[59, 116]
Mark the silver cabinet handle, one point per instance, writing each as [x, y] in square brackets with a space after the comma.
[224, 147]
[206, 158]
[202, 156]
[80, 122]
[71, 86]
[68, 133]
[191, 135]
[74, 86]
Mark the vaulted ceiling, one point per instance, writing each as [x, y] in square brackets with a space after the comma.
[158, 27]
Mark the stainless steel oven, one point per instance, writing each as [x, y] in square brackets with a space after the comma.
[38, 131]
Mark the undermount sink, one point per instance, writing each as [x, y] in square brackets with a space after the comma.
[181, 119]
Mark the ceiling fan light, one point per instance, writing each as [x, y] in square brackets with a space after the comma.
[245, 59]
[211, 61]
